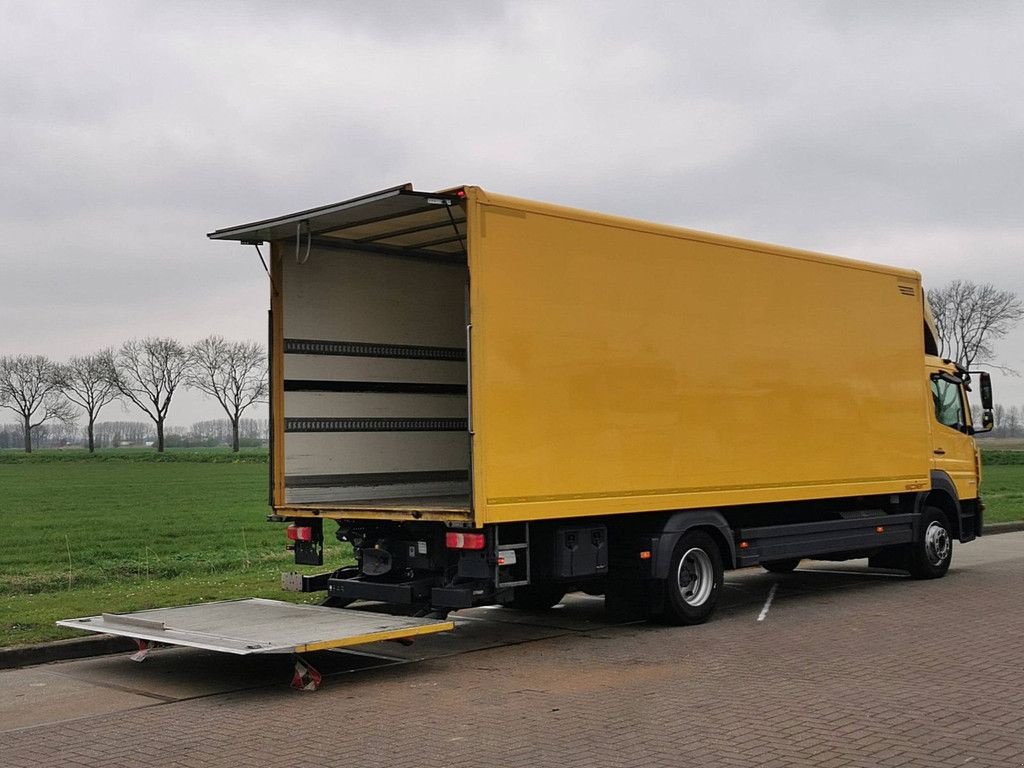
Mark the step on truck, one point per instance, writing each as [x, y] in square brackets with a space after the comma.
[495, 400]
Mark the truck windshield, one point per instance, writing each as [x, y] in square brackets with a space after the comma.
[948, 408]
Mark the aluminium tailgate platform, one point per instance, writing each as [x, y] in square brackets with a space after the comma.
[256, 625]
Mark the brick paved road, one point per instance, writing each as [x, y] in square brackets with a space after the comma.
[847, 669]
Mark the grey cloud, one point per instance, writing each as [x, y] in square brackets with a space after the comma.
[132, 129]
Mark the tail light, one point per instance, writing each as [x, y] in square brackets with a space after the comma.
[464, 540]
[299, 533]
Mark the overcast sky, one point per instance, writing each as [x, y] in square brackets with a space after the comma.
[888, 131]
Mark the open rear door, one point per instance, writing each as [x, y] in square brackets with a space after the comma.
[256, 625]
[369, 380]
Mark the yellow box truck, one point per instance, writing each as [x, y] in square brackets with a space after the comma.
[498, 401]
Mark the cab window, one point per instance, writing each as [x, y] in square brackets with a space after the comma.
[948, 408]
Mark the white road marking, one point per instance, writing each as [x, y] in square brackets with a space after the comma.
[768, 602]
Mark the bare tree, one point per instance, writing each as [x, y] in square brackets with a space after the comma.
[970, 316]
[232, 372]
[30, 386]
[1014, 423]
[60, 434]
[86, 385]
[112, 433]
[211, 431]
[148, 372]
[254, 429]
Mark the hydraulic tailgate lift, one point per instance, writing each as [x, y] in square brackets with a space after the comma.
[255, 625]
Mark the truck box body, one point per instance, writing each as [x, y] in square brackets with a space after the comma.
[485, 359]
[620, 366]
[502, 401]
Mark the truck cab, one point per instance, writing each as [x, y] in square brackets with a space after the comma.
[953, 449]
[955, 459]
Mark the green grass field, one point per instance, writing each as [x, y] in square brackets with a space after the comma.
[127, 530]
[1002, 488]
[137, 456]
[108, 534]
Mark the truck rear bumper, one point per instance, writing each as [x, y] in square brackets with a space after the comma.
[420, 591]
[398, 593]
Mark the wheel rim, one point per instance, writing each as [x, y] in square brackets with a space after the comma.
[695, 577]
[937, 543]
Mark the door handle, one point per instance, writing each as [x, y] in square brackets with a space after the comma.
[939, 452]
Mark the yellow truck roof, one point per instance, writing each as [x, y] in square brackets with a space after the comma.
[431, 223]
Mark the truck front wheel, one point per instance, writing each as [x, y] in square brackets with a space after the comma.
[695, 580]
[931, 554]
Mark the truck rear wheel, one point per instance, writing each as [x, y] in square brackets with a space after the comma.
[931, 554]
[695, 579]
[781, 566]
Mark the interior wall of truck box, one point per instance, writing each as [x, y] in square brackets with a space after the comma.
[374, 376]
[621, 367]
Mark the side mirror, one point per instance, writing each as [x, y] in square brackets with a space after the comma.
[987, 422]
[985, 384]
